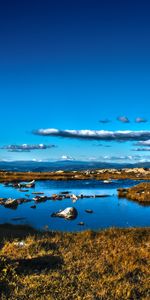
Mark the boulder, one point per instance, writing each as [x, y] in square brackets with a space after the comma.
[11, 203]
[69, 213]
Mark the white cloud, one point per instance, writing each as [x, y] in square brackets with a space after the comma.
[67, 157]
[143, 143]
[26, 147]
[102, 135]
[141, 149]
[140, 120]
[123, 119]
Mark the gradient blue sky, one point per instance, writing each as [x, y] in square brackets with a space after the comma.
[69, 64]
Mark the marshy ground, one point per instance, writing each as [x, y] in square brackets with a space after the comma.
[108, 264]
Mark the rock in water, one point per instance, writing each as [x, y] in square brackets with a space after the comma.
[81, 223]
[90, 211]
[11, 203]
[69, 213]
[33, 206]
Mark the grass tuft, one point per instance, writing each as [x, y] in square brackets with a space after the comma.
[109, 264]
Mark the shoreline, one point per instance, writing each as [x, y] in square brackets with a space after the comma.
[139, 193]
[100, 174]
[10, 231]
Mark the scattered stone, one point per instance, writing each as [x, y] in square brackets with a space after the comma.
[41, 198]
[70, 213]
[66, 196]
[33, 206]
[74, 197]
[90, 211]
[11, 203]
[54, 196]
[2, 201]
[81, 196]
[38, 193]
[101, 196]
[81, 223]
[22, 200]
[107, 181]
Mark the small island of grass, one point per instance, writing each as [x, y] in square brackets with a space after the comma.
[139, 193]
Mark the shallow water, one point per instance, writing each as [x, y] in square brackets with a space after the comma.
[107, 211]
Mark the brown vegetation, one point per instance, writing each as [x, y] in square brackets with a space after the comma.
[109, 264]
[103, 174]
[139, 193]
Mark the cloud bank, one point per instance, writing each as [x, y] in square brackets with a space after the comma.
[26, 147]
[67, 157]
[123, 119]
[141, 149]
[143, 143]
[140, 120]
[130, 158]
[102, 135]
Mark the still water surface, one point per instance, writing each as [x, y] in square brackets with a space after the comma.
[107, 211]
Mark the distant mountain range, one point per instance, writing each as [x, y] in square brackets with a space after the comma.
[66, 165]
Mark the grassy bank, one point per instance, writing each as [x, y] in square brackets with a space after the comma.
[139, 193]
[103, 174]
[109, 264]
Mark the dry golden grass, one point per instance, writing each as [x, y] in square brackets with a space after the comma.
[139, 193]
[71, 175]
[109, 264]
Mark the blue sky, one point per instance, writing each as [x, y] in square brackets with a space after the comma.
[67, 65]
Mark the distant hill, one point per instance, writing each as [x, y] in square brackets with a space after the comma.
[65, 165]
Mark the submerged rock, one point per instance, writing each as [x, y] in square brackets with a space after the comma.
[18, 218]
[81, 223]
[90, 211]
[22, 200]
[69, 213]
[41, 198]
[38, 193]
[33, 206]
[101, 195]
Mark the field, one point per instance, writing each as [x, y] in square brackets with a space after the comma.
[109, 264]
